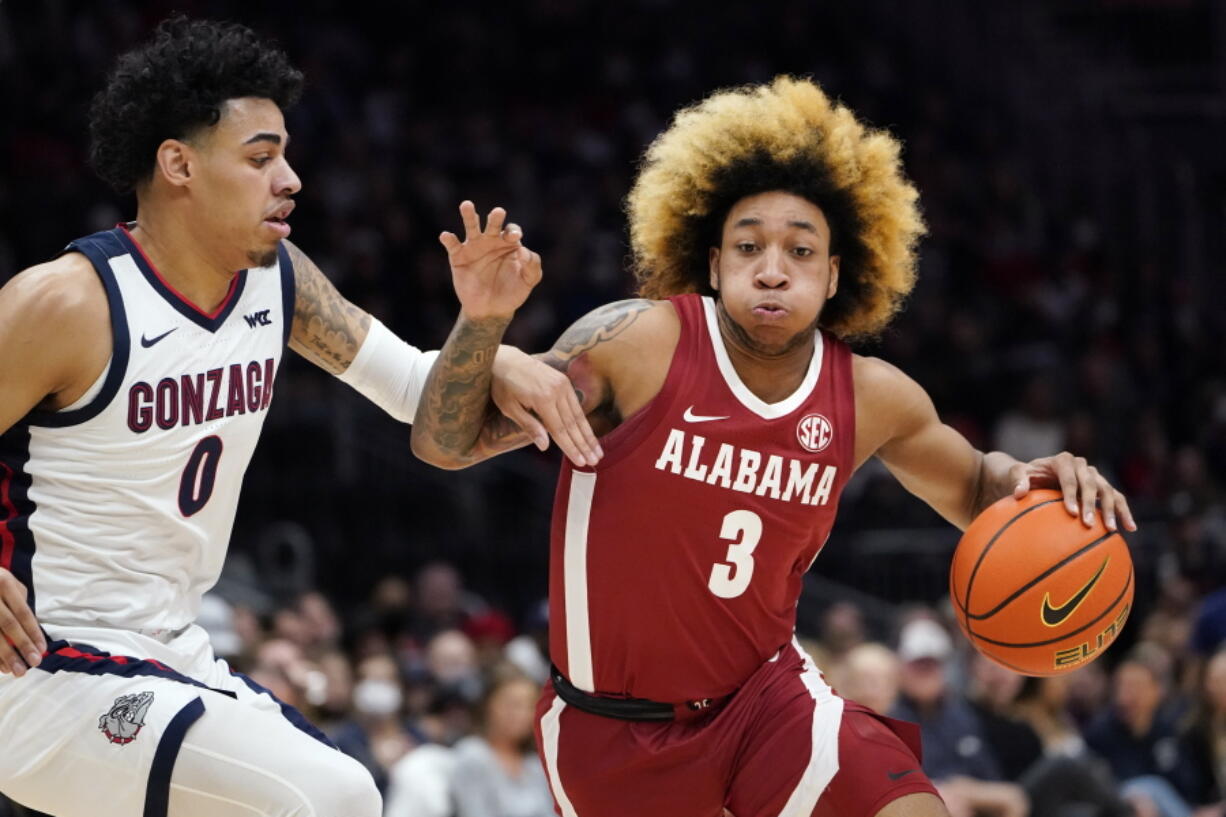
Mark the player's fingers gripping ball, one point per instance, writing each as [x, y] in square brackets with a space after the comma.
[1037, 591]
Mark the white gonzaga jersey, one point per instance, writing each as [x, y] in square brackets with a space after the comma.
[116, 511]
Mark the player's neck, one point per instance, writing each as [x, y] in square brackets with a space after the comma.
[771, 377]
[181, 260]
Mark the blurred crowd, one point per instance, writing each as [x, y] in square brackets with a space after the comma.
[434, 690]
[1070, 298]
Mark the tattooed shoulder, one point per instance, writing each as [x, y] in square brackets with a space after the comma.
[598, 326]
[328, 330]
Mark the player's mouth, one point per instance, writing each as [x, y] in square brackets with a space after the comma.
[770, 310]
[277, 220]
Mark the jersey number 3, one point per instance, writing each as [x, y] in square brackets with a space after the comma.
[196, 485]
[744, 529]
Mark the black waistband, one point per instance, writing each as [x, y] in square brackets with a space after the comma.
[626, 709]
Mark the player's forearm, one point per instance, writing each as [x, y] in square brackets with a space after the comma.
[455, 404]
[994, 480]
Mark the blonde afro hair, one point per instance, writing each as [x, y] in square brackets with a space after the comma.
[785, 136]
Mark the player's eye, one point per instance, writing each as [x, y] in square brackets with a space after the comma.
[746, 246]
[803, 252]
[260, 161]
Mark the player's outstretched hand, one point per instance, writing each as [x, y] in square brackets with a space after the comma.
[491, 270]
[22, 635]
[1083, 488]
[542, 402]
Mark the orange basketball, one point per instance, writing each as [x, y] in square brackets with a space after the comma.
[1037, 591]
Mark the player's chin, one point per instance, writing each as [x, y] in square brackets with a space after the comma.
[778, 339]
[264, 256]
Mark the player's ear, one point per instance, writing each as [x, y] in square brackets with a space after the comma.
[713, 261]
[174, 161]
[833, 286]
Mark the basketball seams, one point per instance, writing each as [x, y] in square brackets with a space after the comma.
[1107, 611]
[1054, 568]
[970, 583]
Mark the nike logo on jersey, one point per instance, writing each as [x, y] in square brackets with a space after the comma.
[899, 775]
[258, 318]
[691, 417]
[147, 342]
[1055, 616]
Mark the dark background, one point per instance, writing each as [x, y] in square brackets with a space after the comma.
[1068, 155]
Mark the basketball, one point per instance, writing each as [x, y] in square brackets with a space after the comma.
[1037, 591]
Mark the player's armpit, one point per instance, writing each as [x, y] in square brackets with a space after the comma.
[897, 422]
[328, 330]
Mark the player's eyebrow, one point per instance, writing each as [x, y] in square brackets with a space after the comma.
[275, 138]
[750, 221]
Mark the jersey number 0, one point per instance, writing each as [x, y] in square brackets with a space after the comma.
[744, 529]
[196, 485]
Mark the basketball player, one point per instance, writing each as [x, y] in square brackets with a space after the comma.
[135, 372]
[768, 226]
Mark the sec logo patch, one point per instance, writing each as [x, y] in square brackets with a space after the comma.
[814, 432]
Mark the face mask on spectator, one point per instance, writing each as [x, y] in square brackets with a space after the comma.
[375, 696]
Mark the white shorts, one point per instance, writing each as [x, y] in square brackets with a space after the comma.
[124, 725]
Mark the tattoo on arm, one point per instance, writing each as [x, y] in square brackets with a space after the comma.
[456, 417]
[598, 326]
[328, 330]
[567, 356]
[455, 408]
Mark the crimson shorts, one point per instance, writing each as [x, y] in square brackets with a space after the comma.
[784, 745]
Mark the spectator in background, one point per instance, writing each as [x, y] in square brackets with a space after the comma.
[451, 660]
[1043, 703]
[841, 629]
[530, 649]
[1209, 627]
[497, 772]
[991, 693]
[1138, 734]
[1204, 735]
[441, 601]
[1057, 785]
[1033, 428]
[869, 675]
[490, 632]
[376, 735]
[957, 756]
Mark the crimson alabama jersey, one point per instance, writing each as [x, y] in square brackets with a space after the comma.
[676, 563]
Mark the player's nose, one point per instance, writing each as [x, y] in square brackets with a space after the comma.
[771, 272]
[287, 182]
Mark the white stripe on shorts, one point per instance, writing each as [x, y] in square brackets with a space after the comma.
[824, 753]
[574, 578]
[550, 729]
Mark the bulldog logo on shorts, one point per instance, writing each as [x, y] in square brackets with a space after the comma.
[122, 724]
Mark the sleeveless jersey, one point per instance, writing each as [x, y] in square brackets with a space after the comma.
[676, 563]
[116, 511]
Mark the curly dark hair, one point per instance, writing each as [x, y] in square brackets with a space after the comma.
[787, 136]
[174, 85]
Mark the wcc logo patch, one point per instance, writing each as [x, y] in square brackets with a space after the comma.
[122, 724]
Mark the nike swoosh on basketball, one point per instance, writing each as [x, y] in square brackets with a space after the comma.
[1053, 616]
[899, 775]
[691, 417]
[147, 342]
